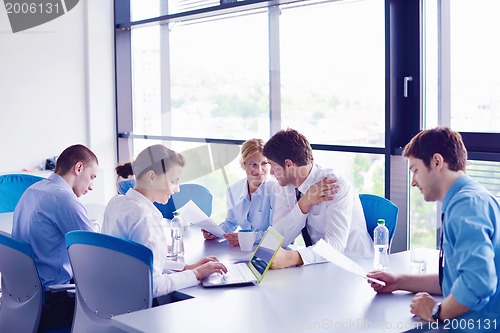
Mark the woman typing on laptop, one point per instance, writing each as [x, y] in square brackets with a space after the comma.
[251, 199]
[133, 216]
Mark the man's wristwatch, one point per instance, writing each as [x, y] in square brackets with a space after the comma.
[436, 311]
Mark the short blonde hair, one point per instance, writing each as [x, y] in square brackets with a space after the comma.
[249, 148]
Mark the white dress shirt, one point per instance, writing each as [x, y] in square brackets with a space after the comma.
[252, 214]
[340, 222]
[134, 217]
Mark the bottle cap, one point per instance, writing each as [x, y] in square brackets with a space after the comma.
[176, 213]
[381, 221]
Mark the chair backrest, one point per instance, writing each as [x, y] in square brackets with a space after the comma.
[22, 294]
[125, 185]
[200, 195]
[12, 187]
[376, 207]
[112, 276]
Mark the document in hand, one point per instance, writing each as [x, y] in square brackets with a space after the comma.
[192, 213]
[329, 253]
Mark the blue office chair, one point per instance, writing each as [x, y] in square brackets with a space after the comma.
[12, 187]
[112, 276]
[200, 195]
[22, 293]
[376, 207]
[125, 185]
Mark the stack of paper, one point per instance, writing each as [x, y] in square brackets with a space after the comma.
[191, 213]
[329, 253]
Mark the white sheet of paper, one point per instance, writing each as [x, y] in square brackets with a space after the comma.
[192, 213]
[329, 253]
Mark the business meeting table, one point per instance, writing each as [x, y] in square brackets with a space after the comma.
[314, 298]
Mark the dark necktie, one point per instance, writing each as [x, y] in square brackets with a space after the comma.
[441, 253]
[305, 233]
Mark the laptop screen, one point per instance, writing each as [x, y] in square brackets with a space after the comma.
[265, 252]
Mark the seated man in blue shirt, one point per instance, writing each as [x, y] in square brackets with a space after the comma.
[470, 241]
[45, 213]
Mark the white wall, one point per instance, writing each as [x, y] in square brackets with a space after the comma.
[57, 89]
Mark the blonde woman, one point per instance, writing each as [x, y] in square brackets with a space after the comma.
[249, 201]
[133, 216]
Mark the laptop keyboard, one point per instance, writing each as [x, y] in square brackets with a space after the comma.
[235, 273]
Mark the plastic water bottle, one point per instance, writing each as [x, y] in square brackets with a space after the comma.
[381, 246]
[175, 239]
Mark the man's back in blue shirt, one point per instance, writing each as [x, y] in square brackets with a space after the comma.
[45, 213]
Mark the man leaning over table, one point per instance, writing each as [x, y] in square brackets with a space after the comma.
[47, 211]
[470, 242]
[318, 200]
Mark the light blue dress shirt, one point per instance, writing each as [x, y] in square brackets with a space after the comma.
[252, 214]
[45, 213]
[471, 245]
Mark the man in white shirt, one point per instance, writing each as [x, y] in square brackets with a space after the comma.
[313, 201]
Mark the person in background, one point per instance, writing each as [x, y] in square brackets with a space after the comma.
[133, 216]
[47, 211]
[470, 238]
[249, 201]
[316, 202]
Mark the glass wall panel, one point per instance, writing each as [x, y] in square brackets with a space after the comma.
[333, 71]
[219, 78]
[423, 220]
[472, 70]
[487, 174]
[366, 171]
[146, 80]
[475, 69]
[218, 73]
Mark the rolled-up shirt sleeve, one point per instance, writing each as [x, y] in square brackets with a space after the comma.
[470, 263]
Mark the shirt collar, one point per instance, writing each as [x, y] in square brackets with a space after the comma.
[310, 179]
[54, 177]
[137, 196]
[259, 192]
[454, 188]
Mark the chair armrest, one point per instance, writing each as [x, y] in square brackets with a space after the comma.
[61, 287]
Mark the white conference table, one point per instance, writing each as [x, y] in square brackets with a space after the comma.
[314, 298]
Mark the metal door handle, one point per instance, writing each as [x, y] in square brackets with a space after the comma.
[405, 85]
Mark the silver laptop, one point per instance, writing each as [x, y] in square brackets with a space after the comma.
[252, 272]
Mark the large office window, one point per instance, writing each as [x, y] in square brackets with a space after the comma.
[462, 79]
[358, 78]
[333, 73]
[214, 77]
[219, 77]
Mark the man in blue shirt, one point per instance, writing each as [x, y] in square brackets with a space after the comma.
[45, 213]
[470, 242]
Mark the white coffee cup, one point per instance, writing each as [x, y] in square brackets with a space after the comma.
[246, 238]
[95, 225]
